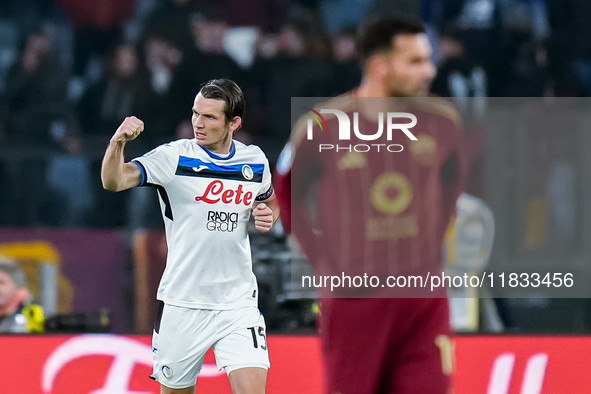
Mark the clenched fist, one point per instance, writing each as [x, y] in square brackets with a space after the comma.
[263, 218]
[129, 130]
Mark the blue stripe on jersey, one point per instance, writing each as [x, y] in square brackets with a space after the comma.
[199, 164]
[142, 170]
[214, 156]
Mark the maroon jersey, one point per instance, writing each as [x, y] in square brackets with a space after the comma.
[379, 212]
[384, 345]
[379, 207]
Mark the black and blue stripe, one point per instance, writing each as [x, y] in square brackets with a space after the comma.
[188, 166]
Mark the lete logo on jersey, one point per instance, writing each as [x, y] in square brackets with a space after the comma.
[215, 192]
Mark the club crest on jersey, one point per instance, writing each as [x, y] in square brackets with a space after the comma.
[216, 192]
[247, 172]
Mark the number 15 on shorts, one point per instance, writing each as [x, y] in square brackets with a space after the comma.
[258, 332]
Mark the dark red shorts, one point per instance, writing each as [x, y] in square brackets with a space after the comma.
[386, 345]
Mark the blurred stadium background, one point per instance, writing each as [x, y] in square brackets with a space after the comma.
[71, 70]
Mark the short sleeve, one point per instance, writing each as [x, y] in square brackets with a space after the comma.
[266, 190]
[159, 165]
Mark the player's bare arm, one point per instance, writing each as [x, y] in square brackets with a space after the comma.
[115, 173]
[265, 214]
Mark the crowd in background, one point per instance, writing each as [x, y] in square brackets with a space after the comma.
[71, 70]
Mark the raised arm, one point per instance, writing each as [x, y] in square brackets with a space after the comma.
[115, 173]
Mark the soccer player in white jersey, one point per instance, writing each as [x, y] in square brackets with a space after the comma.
[208, 188]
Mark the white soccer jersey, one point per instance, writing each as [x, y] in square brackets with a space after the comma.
[206, 202]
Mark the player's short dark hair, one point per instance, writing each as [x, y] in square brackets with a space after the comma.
[227, 91]
[376, 34]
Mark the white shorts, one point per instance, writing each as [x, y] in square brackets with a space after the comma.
[182, 336]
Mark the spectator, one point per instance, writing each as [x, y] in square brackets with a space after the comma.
[172, 21]
[68, 181]
[532, 13]
[522, 65]
[207, 59]
[160, 104]
[98, 23]
[108, 101]
[136, 25]
[346, 68]
[479, 22]
[16, 316]
[458, 75]
[35, 92]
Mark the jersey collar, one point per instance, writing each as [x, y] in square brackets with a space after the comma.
[214, 156]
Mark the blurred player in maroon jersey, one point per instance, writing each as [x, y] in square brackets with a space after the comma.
[380, 213]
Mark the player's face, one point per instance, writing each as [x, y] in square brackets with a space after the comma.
[409, 70]
[210, 127]
[7, 289]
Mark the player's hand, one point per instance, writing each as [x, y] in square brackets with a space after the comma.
[129, 130]
[263, 217]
